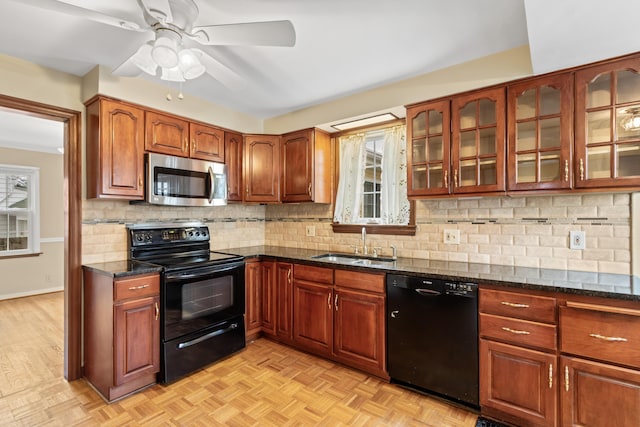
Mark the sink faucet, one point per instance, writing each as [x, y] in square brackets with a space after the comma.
[395, 253]
[364, 241]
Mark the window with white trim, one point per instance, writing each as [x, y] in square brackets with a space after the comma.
[19, 210]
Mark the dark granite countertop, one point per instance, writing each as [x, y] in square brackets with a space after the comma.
[119, 269]
[608, 285]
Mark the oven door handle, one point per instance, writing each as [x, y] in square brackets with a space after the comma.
[208, 272]
[207, 336]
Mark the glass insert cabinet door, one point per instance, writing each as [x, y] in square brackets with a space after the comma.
[478, 142]
[539, 133]
[607, 137]
[428, 153]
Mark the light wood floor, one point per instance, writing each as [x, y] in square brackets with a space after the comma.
[264, 385]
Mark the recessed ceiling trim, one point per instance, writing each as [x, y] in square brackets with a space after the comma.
[385, 117]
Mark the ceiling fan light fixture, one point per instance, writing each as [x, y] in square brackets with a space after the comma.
[190, 64]
[165, 48]
[172, 74]
[143, 60]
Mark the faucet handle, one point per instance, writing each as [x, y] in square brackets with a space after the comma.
[376, 251]
[356, 249]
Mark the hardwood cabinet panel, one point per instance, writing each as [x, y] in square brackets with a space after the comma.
[518, 305]
[253, 295]
[519, 332]
[206, 142]
[137, 287]
[115, 150]
[261, 167]
[520, 383]
[284, 301]
[313, 316]
[166, 134]
[269, 305]
[233, 159]
[306, 166]
[372, 282]
[599, 395]
[359, 330]
[540, 128]
[313, 274]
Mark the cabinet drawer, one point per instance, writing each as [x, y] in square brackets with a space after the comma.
[137, 287]
[518, 305]
[603, 335]
[313, 274]
[521, 332]
[357, 280]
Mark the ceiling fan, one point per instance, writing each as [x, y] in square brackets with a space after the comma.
[168, 55]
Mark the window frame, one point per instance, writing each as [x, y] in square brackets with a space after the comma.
[32, 211]
[398, 230]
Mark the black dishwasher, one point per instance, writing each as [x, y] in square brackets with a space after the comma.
[432, 336]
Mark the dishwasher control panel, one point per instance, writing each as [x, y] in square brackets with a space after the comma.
[461, 289]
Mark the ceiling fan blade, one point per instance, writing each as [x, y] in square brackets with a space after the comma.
[220, 72]
[127, 69]
[81, 12]
[268, 33]
[158, 9]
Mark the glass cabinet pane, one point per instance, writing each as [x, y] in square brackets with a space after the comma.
[598, 126]
[599, 162]
[526, 164]
[599, 91]
[468, 116]
[419, 152]
[628, 160]
[526, 105]
[488, 141]
[435, 176]
[628, 123]
[419, 125]
[487, 112]
[419, 178]
[488, 172]
[550, 166]
[435, 122]
[467, 173]
[468, 143]
[628, 89]
[549, 101]
[435, 148]
[550, 133]
[526, 136]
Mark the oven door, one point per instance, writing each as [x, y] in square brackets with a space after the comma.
[197, 298]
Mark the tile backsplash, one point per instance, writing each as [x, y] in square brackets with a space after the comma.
[531, 231]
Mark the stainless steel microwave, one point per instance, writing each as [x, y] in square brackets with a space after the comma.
[178, 181]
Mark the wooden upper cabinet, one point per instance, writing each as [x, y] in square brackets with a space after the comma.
[608, 124]
[166, 134]
[206, 142]
[233, 160]
[540, 122]
[261, 168]
[428, 149]
[306, 166]
[115, 150]
[478, 141]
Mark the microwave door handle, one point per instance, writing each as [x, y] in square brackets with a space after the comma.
[212, 181]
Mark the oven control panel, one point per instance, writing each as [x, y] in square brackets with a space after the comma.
[144, 237]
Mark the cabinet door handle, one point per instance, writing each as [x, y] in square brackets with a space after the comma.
[157, 311]
[309, 188]
[289, 275]
[566, 378]
[581, 170]
[609, 339]
[455, 178]
[550, 375]
[516, 331]
[445, 181]
[335, 302]
[515, 305]
[566, 170]
[329, 300]
[135, 288]
[140, 183]
[194, 145]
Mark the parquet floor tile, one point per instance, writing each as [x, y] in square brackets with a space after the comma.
[264, 385]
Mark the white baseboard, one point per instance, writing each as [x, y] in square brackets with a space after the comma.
[31, 293]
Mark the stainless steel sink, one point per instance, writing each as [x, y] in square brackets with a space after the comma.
[354, 259]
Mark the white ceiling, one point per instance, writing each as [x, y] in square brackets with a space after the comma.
[342, 47]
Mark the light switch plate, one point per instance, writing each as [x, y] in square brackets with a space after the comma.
[452, 237]
[577, 240]
[311, 230]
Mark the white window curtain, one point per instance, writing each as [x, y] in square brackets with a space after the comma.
[394, 205]
[352, 160]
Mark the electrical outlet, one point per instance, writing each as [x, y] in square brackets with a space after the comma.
[577, 240]
[452, 237]
[311, 231]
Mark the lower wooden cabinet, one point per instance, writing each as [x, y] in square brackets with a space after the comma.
[121, 332]
[313, 309]
[284, 302]
[269, 297]
[253, 298]
[599, 395]
[521, 384]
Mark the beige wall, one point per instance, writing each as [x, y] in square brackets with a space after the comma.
[44, 273]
